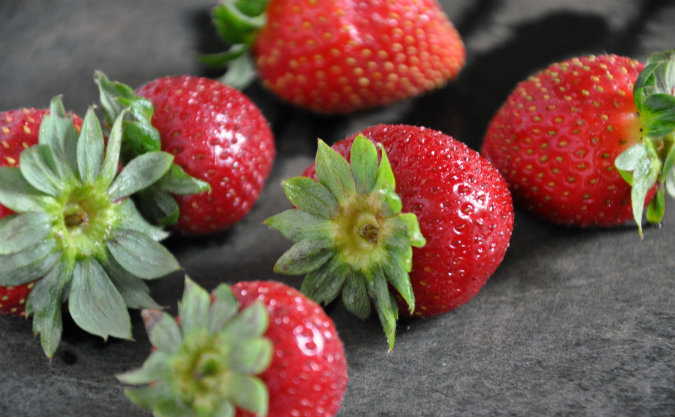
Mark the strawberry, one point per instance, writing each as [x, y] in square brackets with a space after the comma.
[220, 140]
[352, 238]
[258, 348]
[339, 56]
[68, 230]
[571, 139]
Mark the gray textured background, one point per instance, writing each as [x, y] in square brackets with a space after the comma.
[574, 322]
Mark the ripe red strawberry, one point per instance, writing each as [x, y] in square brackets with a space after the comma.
[352, 238]
[341, 56]
[19, 130]
[258, 348]
[217, 136]
[557, 137]
[68, 230]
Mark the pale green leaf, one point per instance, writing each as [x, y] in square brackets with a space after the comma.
[19, 231]
[303, 257]
[140, 255]
[44, 303]
[16, 193]
[334, 172]
[95, 304]
[139, 173]
[90, 146]
[311, 197]
[364, 161]
[193, 308]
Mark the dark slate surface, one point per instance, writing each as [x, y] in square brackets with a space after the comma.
[574, 322]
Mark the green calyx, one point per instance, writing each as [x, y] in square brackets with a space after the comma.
[652, 161]
[75, 231]
[349, 234]
[140, 137]
[206, 364]
[237, 22]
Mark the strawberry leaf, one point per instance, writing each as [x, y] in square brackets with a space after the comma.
[193, 309]
[140, 255]
[297, 225]
[95, 304]
[38, 167]
[364, 165]
[177, 181]
[44, 303]
[657, 207]
[310, 196]
[154, 368]
[387, 311]
[58, 132]
[249, 393]
[241, 71]
[334, 172]
[20, 231]
[90, 148]
[223, 308]
[323, 285]
[251, 322]
[134, 292]
[159, 206]
[355, 295]
[16, 193]
[29, 264]
[251, 357]
[163, 331]
[139, 173]
[303, 257]
[132, 220]
[112, 155]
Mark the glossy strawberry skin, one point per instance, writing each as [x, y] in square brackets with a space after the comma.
[19, 129]
[341, 56]
[556, 137]
[463, 207]
[218, 135]
[308, 372]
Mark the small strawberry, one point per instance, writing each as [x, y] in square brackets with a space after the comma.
[339, 56]
[352, 238]
[67, 231]
[220, 140]
[257, 348]
[568, 136]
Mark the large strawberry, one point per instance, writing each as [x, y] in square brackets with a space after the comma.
[258, 348]
[72, 234]
[222, 145]
[566, 138]
[339, 56]
[352, 238]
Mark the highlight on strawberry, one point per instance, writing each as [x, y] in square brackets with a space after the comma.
[222, 145]
[338, 56]
[420, 231]
[256, 348]
[70, 234]
[589, 141]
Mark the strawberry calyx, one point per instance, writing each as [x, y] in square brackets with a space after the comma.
[139, 137]
[204, 364]
[349, 234]
[237, 22]
[75, 230]
[653, 160]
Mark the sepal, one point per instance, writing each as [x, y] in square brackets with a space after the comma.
[349, 234]
[205, 363]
